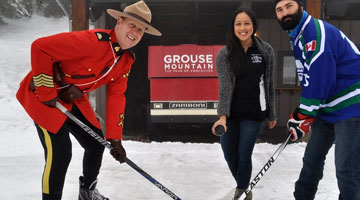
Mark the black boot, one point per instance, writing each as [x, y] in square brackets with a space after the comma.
[239, 192]
[90, 193]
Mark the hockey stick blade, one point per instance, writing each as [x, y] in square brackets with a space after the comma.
[88, 130]
[265, 168]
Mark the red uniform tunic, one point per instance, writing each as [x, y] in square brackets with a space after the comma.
[85, 57]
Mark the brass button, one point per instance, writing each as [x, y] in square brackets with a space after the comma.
[89, 69]
[95, 83]
[112, 79]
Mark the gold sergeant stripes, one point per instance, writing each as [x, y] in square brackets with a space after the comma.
[43, 80]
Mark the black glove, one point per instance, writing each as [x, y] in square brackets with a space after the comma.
[118, 151]
[52, 102]
[299, 124]
[70, 94]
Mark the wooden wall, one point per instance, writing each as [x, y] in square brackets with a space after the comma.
[80, 15]
[202, 23]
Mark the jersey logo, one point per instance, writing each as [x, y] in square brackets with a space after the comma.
[256, 58]
[310, 46]
[303, 76]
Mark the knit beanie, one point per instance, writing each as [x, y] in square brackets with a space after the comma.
[300, 2]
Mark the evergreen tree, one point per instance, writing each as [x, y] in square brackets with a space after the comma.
[15, 9]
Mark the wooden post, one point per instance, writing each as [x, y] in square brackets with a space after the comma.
[313, 7]
[80, 19]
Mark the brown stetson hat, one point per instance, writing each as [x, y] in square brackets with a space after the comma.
[138, 12]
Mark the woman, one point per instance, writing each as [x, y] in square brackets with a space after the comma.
[245, 69]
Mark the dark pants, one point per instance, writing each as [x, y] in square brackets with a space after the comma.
[58, 152]
[238, 144]
[346, 136]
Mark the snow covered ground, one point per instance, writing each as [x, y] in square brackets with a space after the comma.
[192, 171]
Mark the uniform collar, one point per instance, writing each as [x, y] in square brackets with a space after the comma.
[116, 47]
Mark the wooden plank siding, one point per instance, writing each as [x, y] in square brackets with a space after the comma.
[80, 18]
[355, 32]
[313, 7]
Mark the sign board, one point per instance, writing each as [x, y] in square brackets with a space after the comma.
[182, 61]
[183, 83]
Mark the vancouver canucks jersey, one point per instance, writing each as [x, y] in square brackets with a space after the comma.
[328, 67]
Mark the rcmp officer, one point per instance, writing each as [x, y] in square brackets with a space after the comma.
[64, 67]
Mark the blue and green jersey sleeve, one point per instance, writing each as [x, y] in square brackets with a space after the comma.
[328, 67]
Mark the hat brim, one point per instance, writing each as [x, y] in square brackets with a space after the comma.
[149, 29]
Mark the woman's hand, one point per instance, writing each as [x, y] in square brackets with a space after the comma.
[221, 121]
[272, 124]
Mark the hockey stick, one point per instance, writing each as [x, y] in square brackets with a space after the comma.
[108, 145]
[265, 168]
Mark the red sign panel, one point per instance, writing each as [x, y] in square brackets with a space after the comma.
[183, 61]
[184, 89]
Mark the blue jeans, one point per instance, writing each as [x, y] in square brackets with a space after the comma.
[238, 144]
[345, 135]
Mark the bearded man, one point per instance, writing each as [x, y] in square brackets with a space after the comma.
[328, 67]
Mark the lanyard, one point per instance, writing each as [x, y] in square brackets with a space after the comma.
[105, 74]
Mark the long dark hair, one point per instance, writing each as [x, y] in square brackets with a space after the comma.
[235, 49]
